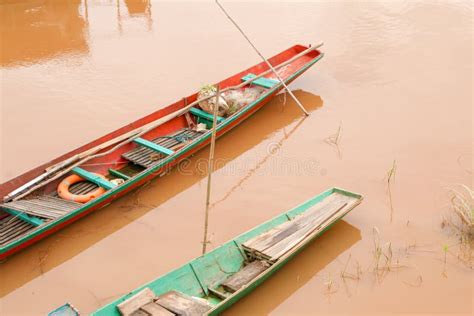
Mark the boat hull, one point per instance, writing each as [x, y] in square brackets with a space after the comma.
[204, 272]
[146, 176]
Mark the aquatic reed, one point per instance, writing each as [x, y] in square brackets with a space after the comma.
[390, 176]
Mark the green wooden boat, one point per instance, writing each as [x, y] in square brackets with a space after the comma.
[212, 282]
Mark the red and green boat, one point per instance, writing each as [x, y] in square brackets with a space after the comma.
[92, 176]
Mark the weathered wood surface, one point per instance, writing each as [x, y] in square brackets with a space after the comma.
[279, 249]
[244, 276]
[132, 304]
[279, 240]
[140, 312]
[11, 227]
[45, 206]
[182, 304]
[282, 231]
[154, 309]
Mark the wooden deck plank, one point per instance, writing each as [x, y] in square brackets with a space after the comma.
[279, 240]
[273, 236]
[154, 309]
[244, 276]
[132, 304]
[320, 224]
[182, 304]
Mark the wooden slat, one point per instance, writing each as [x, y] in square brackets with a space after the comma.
[262, 82]
[267, 239]
[244, 276]
[132, 304]
[154, 309]
[93, 178]
[11, 228]
[182, 304]
[276, 242]
[283, 246]
[153, 146]
[35, 221]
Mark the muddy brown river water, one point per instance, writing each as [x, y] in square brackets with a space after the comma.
[397, 79]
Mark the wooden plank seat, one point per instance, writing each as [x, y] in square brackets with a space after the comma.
[204, 115]
[146, 157]
[153, 146]
[263, 82]
[89, 176]
[49, 207]
[170, 303]
[244, 276]
[276, 242]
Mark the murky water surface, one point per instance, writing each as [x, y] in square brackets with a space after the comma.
[397, 79]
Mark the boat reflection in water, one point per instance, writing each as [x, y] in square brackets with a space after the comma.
[33, 31]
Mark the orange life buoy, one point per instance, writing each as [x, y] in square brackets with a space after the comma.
[63, 190]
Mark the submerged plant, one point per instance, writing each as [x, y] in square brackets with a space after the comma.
[383, 256]
[335, 138]
[462, 207]
[390, 177]
[445, 250]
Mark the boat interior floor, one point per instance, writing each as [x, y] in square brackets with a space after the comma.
[147, 157]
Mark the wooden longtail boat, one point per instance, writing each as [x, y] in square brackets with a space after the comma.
[214, 281]
[135, 153]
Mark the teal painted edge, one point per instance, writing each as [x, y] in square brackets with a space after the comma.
[162, 163]
[153, 146]
[205, 115]
[117, 173]
[23, 216]
[93, 178]
[262, 82]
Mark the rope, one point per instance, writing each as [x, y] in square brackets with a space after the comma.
[264, 59]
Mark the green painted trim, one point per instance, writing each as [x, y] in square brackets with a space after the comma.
[118, 174]
[262, 82]
[205, 115]
[33, 220]
[162, 163]
[89, 176]
[151, 145]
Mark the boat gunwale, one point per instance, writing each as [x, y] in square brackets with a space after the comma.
[237, 242]
[36, 232]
